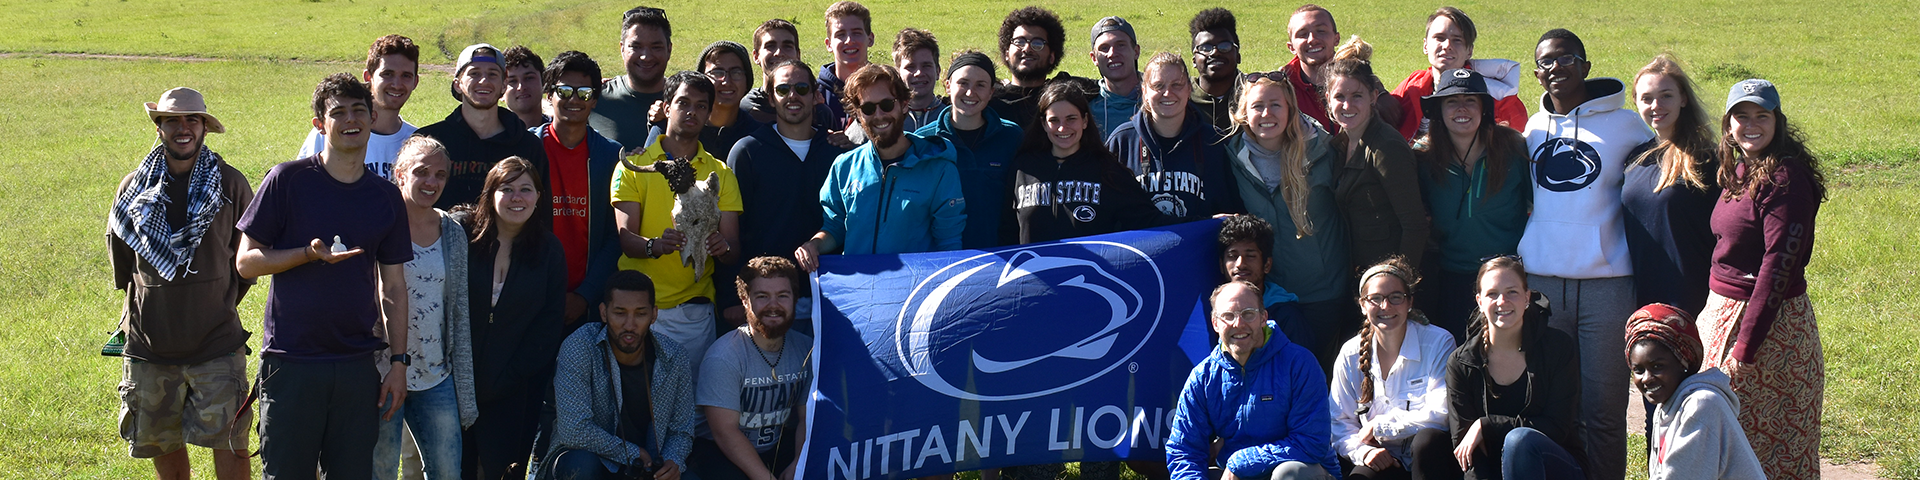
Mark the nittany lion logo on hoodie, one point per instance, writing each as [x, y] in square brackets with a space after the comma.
[1563, 164]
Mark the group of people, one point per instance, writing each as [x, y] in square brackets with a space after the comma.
[493, 296]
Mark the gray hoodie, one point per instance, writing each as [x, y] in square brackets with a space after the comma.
[1697, 433]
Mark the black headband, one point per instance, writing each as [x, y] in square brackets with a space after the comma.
[972, 59]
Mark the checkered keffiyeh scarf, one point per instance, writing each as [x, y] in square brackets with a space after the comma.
[1671, 327]
[139, 215]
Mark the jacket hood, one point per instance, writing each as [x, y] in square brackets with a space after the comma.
[1317, 146]
[1503, 76]
[1604, 95]
[1190, 129]
[1711, 380]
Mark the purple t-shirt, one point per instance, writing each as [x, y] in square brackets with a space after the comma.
[319, 312]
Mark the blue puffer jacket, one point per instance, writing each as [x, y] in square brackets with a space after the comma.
[1271, 411]
[984, 169]
[909, 206]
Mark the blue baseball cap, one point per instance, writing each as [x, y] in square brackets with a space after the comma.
[1760, 92]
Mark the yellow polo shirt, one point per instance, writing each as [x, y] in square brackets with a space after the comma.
[673, 283]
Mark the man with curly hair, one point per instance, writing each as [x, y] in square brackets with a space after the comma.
[1032, 42]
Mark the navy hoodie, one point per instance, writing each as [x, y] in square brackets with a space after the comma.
[1188, 178]
[1086, 194]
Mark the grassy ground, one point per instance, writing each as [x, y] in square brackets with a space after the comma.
[73, 127]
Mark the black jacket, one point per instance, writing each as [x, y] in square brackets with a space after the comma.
[473, 156]
[1553, 390]
[516, 339]
[1087, 194]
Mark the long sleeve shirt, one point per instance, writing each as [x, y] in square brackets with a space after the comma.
[1766, 240]
[1270, 411]
[1410, 398]
[588, 415]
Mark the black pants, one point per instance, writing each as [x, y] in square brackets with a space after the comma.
[1432, 460]
[500, 442]
[1334, 321]
[323, 415]
[711, 463]
[1447, 299]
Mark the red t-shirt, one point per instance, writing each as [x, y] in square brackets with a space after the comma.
[569, 184]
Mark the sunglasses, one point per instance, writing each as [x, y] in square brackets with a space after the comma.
[883, 105]
[1209, 49]
[1276, 75]
[1509, 256]
[564, 92]
[786, 89]
[1568, 59]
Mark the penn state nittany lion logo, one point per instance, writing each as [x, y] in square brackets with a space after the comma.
[1083, 213]
[1565, 164]
[954, 334]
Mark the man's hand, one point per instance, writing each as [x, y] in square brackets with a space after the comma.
[807, 257]
[318, 250]
[576, 306]
[717, 245]
[839, 139]
[669, 241]
[1464, 452]
[393, 391]
[657, 113]
[668, 471]
[1378, 459]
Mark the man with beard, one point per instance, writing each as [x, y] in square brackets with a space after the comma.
[1032, 42]
[624, 396]
[754, 385]
[393, 71]
[899, 193]
[646, 44]
[1216, 57]
[780, 169]
[643, 212]
[1116, 54]
[524, 85]
[479, 133]
[186, 350]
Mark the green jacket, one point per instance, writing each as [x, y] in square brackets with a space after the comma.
[1315, 267]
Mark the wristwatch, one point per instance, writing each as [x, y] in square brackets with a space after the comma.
[404, 359]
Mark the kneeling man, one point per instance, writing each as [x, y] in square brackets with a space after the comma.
[623, 397]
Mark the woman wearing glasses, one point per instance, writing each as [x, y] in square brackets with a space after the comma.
[1513, 388]
[1449, 45]
[1284, 169]
[1390, 387]
[1473, 173]
[1173, 151]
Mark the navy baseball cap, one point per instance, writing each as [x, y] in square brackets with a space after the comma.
[1760, 92]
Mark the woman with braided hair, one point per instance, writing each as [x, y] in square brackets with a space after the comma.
[1696, 429]
[1389, 384]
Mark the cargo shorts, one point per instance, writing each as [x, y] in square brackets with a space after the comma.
[164, 407]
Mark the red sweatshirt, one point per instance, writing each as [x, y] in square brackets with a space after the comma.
[1507, 110]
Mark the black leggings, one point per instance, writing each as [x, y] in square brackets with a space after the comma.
[1432, 460]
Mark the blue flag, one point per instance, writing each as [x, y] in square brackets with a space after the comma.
[1044, 353]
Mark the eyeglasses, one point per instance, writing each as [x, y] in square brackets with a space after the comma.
[1210, 49]
[1568, 59]
[1509, 256]
[564, 92]
[1024, 42]
[1395, 298]
[883, 105]
[1245, 315]
[720, 73]
[1276, 75]
[785, 89]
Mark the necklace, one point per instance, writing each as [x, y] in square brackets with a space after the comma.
[772, 363]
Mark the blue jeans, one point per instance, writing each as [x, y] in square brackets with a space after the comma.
[1529, 454]
[434, 416]
[579, 465]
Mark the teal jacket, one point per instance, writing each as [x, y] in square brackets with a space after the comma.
[1315, 267]
[1474, 218]
[911, 205]
[984, 170]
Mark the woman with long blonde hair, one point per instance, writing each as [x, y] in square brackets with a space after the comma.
[1670, 190]
[1284, 168]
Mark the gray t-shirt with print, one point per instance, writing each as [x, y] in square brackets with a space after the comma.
[736, 376]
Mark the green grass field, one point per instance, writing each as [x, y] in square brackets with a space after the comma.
[73, 127]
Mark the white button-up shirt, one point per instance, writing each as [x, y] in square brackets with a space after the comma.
[1412, 398]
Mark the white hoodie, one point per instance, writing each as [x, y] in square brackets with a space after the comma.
[1697, 434]
[1576, 230]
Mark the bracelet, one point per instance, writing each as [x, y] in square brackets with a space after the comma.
[650, 247]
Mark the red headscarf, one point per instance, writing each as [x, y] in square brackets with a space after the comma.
[1671, 327]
